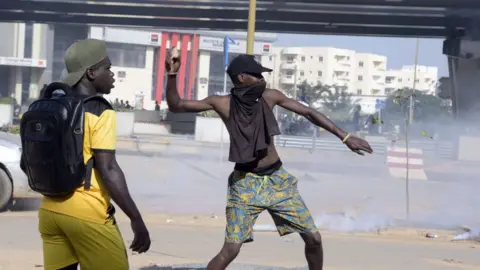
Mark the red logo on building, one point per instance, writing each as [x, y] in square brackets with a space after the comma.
[154, 38]
[266, 48]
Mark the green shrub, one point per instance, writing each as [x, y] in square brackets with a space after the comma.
[211, 114]
[6, 100]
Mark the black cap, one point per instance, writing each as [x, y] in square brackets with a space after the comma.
[245, 63]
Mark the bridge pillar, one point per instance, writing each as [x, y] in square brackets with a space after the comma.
[464, 68]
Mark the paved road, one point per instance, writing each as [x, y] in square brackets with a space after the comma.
[193, 245]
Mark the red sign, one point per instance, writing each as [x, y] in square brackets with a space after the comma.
[266, 48]
[154, 38]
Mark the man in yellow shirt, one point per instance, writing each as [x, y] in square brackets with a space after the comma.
[81, 228]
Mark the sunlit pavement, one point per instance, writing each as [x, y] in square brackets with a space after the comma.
[189, 245]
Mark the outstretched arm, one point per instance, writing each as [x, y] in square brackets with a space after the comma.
[354, 143]
[312, 115]
[176, 104]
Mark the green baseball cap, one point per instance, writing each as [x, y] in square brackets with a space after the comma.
[82, 55]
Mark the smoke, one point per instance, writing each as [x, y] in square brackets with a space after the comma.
[347, 221]
[350, 222]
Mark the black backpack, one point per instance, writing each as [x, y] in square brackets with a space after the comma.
[52, 142]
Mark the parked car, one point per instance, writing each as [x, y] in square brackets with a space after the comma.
[13, 181]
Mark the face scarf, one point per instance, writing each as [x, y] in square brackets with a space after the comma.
[251, 123]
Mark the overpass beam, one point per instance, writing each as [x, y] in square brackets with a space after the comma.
[252, 10]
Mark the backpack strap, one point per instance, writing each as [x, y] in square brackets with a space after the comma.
[88, 174]
[91, 162]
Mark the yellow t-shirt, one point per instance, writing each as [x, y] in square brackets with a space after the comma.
[99, 136]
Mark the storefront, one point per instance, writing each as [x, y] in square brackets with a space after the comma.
[19, 78]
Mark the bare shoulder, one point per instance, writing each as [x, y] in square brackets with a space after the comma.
[218, 102]
[273, 95]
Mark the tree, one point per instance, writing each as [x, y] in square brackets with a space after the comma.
[444, 90]
[308, 93]
[426, 107]
[334, 101]
[337, 99]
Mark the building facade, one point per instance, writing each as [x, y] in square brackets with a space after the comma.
[32, 55]
[23, 60]
[362, 74]
[425, 80]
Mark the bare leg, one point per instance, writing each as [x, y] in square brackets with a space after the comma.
[228, 253]
[313, 250]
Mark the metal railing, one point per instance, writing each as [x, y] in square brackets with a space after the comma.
[438, 150]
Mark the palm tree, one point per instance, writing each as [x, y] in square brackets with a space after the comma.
[337, 99]
[334, 101]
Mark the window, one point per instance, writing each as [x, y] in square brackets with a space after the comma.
[319, 74]
[121, 74]
[270, 58]
[360, 78]
[360, 64]
[289, 73]
[359, 92]
[26, 72]
[302, 73]
[290, 59]
[320, 59]
[375, 91]
[127, 55]
[216, 74]
[311, 57]
[27, 50]
[64, 36]
[303, 58]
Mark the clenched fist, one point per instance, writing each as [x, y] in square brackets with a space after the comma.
[172, 62]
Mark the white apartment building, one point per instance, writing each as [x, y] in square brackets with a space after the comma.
[426, 79]
[361, 74]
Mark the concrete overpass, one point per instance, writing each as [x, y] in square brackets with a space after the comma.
[456, 20]
[406, 18]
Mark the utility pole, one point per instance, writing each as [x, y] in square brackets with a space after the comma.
[407, 128]
[252, 10]
[412, 101]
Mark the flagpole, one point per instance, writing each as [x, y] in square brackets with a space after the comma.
[226, 50]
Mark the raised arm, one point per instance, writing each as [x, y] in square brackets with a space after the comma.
[176, 104]
[317, 118]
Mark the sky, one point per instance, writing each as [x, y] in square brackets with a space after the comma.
[399, 51]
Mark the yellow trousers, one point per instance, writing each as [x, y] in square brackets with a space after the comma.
[68, 240]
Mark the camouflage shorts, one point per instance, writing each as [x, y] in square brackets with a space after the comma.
[249, 194]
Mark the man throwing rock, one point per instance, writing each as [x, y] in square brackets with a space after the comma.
[258, 182]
